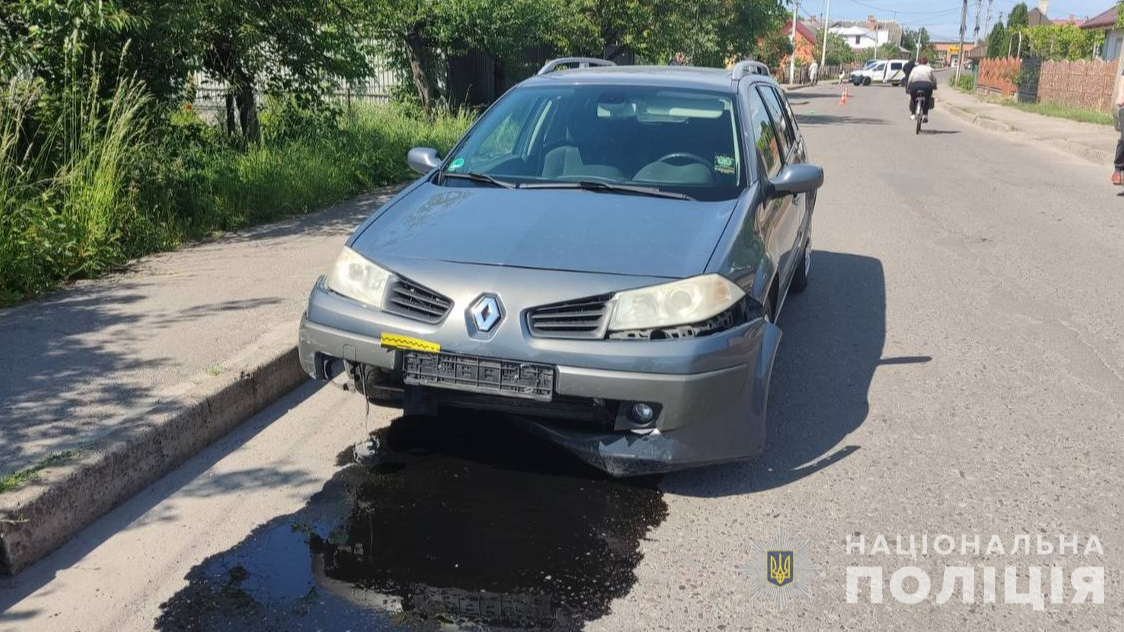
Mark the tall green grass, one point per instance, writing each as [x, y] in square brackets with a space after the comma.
[64, 199]
[115, 178]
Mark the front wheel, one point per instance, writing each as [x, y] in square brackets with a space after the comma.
[866, 81]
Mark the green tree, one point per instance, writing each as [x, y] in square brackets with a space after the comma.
[58, 42]
[890, 50]
[294, 47]
[1062, 41]
[1019, 16]
[772, 49]
[838, 50]
[416, 32]
[998, 40]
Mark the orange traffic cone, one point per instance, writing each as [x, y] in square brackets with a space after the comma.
[843, 99]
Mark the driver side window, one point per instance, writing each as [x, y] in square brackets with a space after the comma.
[764, 134]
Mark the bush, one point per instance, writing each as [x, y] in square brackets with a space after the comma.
[128, 183]
[967, 82]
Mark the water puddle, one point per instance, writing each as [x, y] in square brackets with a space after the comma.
[459, 523]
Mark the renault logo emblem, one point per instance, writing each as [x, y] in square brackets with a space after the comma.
[486, 312]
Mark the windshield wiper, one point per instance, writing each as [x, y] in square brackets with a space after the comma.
[475, 176]
[605, 187]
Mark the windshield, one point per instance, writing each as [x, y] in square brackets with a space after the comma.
[669, 140]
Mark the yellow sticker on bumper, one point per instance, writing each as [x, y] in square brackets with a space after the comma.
[394, 341]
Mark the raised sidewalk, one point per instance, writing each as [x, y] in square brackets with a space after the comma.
[1095, 143]
[114, 382]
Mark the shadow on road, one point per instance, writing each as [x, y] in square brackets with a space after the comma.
[837, 119]
[833, 338]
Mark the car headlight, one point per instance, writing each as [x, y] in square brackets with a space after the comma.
[357, 278]
[677, 303]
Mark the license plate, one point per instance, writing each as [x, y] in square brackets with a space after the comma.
[526, 380]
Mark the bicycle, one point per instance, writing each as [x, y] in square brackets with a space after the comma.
[919, 99]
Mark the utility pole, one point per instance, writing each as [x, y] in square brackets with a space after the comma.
[826, 33]
[987, 22]
[976, 31]
[963, 29]
[792, 57]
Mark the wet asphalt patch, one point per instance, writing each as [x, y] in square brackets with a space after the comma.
[456, 522]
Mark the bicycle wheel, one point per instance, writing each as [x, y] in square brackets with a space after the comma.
[919, 109]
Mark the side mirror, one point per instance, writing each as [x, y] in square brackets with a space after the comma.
[797, 179]
[423, 159]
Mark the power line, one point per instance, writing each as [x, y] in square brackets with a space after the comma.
[884, 10]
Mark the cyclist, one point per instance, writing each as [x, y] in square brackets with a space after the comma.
[921, 80]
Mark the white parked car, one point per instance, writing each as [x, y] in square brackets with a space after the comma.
[883, 71]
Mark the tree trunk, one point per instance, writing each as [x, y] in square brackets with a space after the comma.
[414, 54]
[230, 121]
[248, 110]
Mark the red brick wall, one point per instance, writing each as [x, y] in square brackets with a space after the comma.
[1079, 84]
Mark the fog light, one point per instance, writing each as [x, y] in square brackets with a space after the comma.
[643, 413]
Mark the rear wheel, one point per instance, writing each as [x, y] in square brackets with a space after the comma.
[919, 110]
[803, 269]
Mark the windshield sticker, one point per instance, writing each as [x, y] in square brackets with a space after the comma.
[456, 164]
[724, 164]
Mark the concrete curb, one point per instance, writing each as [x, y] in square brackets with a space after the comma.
[1084, 152]
[977, 120]
[38, 518]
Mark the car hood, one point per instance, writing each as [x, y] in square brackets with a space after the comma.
[579, 231]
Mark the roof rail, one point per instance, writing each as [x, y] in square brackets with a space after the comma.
[582, 62]
[748, 67]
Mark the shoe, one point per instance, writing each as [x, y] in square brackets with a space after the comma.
[1116, 178]
[924, 119]
[913, 117]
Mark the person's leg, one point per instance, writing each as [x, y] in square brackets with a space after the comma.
[928, 100]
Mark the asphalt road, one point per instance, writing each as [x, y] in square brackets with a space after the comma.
[956, 367]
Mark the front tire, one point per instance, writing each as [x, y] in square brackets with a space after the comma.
[803, 269]
[866, 81]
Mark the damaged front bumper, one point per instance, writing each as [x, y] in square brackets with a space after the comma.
[709, 394]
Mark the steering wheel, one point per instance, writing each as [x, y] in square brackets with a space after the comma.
[682, 155]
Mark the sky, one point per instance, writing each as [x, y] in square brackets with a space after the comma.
[942, 17]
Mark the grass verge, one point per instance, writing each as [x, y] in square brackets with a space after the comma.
[88, 186]
[1063, 112]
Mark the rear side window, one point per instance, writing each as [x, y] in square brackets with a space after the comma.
[785, 134]
[764, 134]
[896, 66]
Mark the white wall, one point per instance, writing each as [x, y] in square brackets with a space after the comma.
[866, 37]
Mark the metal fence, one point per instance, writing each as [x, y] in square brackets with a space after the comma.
[211, 94]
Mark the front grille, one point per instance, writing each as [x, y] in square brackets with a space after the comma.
[582, 318]
[411, 300]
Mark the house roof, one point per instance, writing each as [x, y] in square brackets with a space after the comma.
[1106, 20]
[802, 29]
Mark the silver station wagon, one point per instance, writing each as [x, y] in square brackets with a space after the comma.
[603, 257]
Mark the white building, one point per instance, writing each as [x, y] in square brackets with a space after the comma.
[861, 38]
[1113, 36]
[867, 34]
